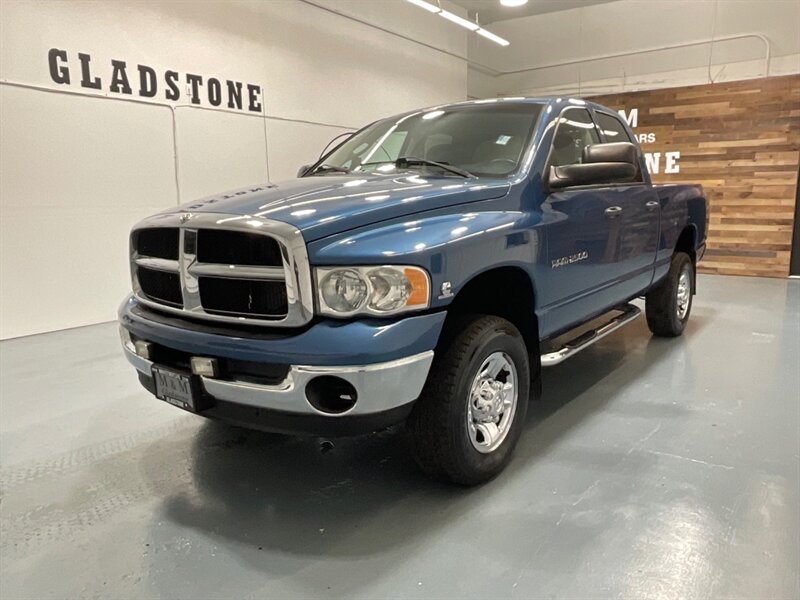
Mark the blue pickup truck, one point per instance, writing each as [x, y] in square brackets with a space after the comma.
[422, 271]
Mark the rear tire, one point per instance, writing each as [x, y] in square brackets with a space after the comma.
[668, 305]
[472, 410]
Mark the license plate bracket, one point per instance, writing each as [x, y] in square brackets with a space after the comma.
[176, 388]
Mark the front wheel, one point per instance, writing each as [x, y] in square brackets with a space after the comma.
[471, 412]
[669, 303]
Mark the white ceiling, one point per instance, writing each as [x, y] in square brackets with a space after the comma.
[490, 11]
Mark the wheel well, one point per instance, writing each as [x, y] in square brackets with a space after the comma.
[686, 243]
[506, 292]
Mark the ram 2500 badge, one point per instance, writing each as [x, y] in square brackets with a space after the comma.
[424, 270]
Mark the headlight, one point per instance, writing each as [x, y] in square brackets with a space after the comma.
[343, 291]
[384, 290]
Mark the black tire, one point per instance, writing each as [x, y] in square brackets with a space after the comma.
[440, 436]
[661, 303]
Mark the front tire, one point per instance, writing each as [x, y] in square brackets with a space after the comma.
[472, 410]
[668, 305]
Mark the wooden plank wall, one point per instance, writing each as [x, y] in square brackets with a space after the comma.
[741, 140]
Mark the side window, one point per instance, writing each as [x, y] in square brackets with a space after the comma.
[614, 131]
[574, 132]
[612, 128]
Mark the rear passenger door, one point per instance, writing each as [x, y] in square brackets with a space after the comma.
[638, 216]
[583, 233]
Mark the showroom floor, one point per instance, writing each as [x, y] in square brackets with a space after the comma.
[652, 468]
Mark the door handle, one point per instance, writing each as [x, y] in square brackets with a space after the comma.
[612, 211]
[652, 205]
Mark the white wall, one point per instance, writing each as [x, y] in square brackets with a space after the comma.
[78, 169]
[632, 26]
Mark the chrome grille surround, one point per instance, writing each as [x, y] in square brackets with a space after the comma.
[295, 271]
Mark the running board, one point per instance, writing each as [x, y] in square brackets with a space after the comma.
[583, 341]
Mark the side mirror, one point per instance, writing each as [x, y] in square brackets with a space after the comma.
[591, 174]
[602, 163]
[617, 152]
[302, 170]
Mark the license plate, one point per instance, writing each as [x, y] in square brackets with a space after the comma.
[175, 388]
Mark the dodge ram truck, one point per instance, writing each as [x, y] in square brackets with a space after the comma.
[424, 270]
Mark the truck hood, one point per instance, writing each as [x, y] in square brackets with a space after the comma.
[325, 205]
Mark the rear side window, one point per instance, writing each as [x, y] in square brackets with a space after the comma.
[612, 128]
[575, 131]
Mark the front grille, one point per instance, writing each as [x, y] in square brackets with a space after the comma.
[237, 248]
[222, 295]
[218, 267]
[158, 242]
[161, 286]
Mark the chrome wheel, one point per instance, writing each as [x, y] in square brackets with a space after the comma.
[684, 293]
[492, 402]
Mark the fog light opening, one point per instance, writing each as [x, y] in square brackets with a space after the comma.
[205, 367]
[331, 395]
[143, 349]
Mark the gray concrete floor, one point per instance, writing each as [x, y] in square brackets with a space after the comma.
[651, 469]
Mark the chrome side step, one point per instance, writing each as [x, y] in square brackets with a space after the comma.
[628, 313]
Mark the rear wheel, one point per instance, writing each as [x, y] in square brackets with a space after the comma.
[669, 303]
[471, 412]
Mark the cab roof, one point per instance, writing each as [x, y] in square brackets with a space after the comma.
[556, 102]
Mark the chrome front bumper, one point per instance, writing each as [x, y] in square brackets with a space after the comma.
[380, 387]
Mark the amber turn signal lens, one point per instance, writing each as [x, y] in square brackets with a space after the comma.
[419, 287]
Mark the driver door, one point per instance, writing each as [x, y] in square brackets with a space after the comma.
[583, 234]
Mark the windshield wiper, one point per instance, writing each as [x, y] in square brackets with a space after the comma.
[410, 161]
[329, 169]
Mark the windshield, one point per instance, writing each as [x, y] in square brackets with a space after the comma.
[482, 140]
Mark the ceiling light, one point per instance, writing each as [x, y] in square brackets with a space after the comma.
[426, 5]
[466, 23]
[491, 36]
[513, 2]
[433, 114]
[459, 20]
